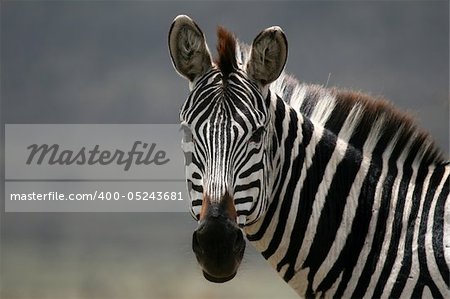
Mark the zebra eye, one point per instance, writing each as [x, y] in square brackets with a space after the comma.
[257, 135]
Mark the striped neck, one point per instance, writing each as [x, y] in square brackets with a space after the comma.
[313, 171]
[307, 161]
[324, 193]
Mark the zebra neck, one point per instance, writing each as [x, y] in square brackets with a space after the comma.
[329, 201]
[317, 180]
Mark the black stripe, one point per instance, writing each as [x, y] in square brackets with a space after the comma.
[254, 168]
[288, 89]
[397, 225]
[254, 207]
[242, 200]
[354, 243]
[196, 202]
[424, 274]
[383, 213]
[332, 212]
[405, 269]
[236, 98]
[249, 92]
[438, 232]
[239, 156]
[237, 140]
[198, 89]
[337, 118]
[314, 175]
[200, 151]
[244, 161]
[238, 118]
[280, 114]
[203, 107]
[254, 184]
[309, 102]
[287, 198]
[243, 212]
[355, 240]
[197, 188]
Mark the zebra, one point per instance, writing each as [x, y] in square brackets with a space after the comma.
[341, 192]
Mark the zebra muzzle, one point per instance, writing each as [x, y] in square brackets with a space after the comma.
[218, 243]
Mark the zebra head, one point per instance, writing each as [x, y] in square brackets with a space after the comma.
[228, 136]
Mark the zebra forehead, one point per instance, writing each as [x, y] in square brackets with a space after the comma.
[225, 118]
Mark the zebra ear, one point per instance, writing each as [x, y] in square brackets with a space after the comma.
[268, 56]
[188, 50]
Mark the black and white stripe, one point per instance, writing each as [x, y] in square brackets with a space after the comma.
[340, 192]
[356, 213]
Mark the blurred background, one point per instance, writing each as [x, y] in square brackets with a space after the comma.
[107, 62]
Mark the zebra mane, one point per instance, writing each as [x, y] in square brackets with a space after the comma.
[226, 50]
[331, 107]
